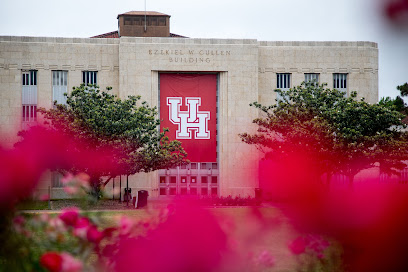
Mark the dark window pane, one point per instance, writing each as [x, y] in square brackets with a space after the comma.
[193, 191]
[204, 191]
[162, 179]
[183, 179]
[173, 179]
[162, 191]
[214, 179]
[213, 191]
[204, 179]
[193, 165]
[214, 165]
[203, 165]
[194, 179]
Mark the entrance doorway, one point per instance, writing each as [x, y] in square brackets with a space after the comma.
[192, 179]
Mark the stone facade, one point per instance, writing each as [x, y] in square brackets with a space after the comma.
[247, 72]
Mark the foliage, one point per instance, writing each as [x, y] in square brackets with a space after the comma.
[124, 134]
[403, 89]
[337, 133]
[397, 103]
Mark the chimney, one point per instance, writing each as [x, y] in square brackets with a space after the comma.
[144, 24]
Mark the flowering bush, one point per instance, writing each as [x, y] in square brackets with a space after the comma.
[184, 236]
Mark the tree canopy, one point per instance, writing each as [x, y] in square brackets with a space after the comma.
[339, 133]
[126, 133]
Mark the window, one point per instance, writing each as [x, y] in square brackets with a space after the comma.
[312, 78]
[89, 77]
[56, 180]
[128, 21]
[283, 83]
[162, 179]
[340, 82]
[29, 97]
[29, 113]
[30, 78]
[162, 21]
[59, 86]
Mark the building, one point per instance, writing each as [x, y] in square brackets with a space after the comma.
[35, 71]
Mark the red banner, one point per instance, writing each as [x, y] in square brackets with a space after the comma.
[188, 107]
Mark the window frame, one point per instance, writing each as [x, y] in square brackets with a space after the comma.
[314, 78]
[87, 75]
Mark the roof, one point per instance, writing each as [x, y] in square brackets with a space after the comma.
[115, 34]
[142, 13]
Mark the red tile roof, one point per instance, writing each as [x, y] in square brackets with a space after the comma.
[115, 34]
[148, 13]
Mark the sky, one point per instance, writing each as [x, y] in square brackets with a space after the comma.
[264, 20]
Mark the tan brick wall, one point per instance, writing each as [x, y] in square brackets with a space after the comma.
[358, 59]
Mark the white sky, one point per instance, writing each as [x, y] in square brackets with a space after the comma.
[271, 20]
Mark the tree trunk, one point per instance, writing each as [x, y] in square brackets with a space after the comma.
[95, 187]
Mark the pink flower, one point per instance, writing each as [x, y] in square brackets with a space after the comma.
[71, 190]
[108, 232]
[125, 225]
[44, 217]
[70, 264]
[298, 246]
[18, 220]
[266, 259]
[52, 261]
[94, 235]
[81, 228]
[60, 262]
[69, 216]
[67, 178]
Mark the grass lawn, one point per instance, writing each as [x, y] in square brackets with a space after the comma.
[33, 205]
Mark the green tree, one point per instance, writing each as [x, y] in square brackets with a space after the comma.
[397, 103]
[339, 133]
[126, 130]
[403, 89]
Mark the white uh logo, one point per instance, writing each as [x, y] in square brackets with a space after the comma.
[189, 120]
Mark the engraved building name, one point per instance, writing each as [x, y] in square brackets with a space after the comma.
[189, 56]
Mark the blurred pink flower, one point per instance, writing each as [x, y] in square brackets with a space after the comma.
[94, 235]
[70, 216]
[189, 240]
[71, 190]
[52, 261]
[67, 178]
[125, 225]
[298, 246]
[265, 258]
[70, 264]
